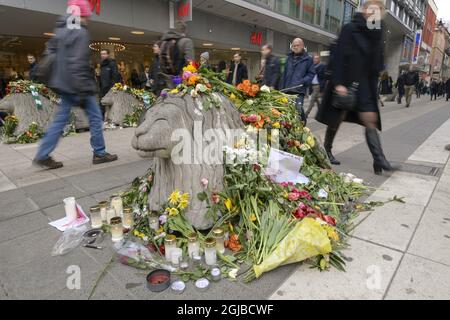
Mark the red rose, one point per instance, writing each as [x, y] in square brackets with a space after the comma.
[162, 249]
[330, 220]
[256, 167]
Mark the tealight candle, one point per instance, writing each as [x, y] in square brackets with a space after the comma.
[202, 284]
[216, 274]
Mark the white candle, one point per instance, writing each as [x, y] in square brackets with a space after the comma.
[210, 252]
[117, 204]
[176, 256]
[70, 206]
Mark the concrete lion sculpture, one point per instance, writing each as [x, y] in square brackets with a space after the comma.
[24, 107]
[159, 137]
[118, 104]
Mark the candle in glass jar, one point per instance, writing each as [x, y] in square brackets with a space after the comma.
[210, 252]
[103, 207]
[128, 218]
[116, 229]
[170, 243]
[219, 236]
[110, 213]
[117, 204]
[193, 246]
[153, 221]
[96, 218]
[176, 256]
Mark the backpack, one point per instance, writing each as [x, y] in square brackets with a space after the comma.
[170, 57]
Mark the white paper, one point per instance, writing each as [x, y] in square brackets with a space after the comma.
[322, 194]
[67, 223]
[285, 167]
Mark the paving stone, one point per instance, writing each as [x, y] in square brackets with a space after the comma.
[420, 279]
[5, 183]
[110, 289]
[368, 274]
[22, 225]
[391, 225]
[95, 181]
[15, 203]
[48, 275]
[57, 212]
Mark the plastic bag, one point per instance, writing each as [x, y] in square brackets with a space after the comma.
[69, 240]
[138, 256]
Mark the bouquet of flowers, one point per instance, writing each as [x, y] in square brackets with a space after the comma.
[24, 86]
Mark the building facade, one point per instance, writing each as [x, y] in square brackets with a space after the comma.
[427, 39]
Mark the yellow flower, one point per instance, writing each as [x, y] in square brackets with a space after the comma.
[136, 233]
[175, 197]
[253, 217]
[183, 204]
[190, 68]
[286, 194]
[277, 125]
[284, 100]
[310, 141]
[174, 91]
[232, 96]
[160, 230]
[185, 197]
[230, 226]
[228, 204]
[173, 212]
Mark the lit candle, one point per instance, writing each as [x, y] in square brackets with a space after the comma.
[128, 218]
[170, 243]
[117, 204]
[193, 246]
[219, 235]
[96, 218]
[116, 229]
[210, 252]
[103, 207]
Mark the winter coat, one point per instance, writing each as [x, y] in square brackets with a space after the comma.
[158, 81]
[400, 85]
[447, 86]
[109, 76]
[272, 72]
[411, 78]
[71, 70]
[321, 75]
[299, 69]
[386, 86]
[241, 74]
[32, 71]
[357, 57]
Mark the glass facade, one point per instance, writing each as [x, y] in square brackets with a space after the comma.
[325, 14]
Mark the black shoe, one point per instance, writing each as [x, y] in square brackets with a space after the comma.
[328, 145]
[48, 163]
[105, 158]
[379, 160]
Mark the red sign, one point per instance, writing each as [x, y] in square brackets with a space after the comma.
[184, 10]
[256, 38]
[95, 6]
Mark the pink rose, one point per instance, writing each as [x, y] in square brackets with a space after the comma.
[204, 183]
[253, 118]
[293, 196]
[215, 198]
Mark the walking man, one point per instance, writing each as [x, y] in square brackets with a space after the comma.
[270, 72]
[238, 71]
[400, 85]
[318, 84]
[109, 74]
[298, 74]
[411, 80]
[73, 80]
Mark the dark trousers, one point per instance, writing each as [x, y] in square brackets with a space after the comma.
[299, 104]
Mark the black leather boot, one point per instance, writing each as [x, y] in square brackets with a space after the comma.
[379, 160]
[328, 145]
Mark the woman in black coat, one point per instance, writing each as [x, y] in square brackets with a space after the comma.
[357, 58]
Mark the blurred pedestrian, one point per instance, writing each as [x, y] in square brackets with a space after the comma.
[358, 58]
[32, 61]
[204, 61]
[298, 74]
[317, 84]
[400, 85]
[447, 89]
[109, 74]
[434, 89]
[73, 80]
[270, 71]
[135, 80]
[411, 80]
[238, 71]
[157, 82]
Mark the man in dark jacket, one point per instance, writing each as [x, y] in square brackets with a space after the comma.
[73, 80]
[238, 71]
[411, 80]
[298, 74]
[270, 72]
[317, 84]
[400, 85]
[157, 83]
[32, 61]
[447, 89]
[109, 74]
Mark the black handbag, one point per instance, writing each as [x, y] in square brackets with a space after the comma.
[347, 102]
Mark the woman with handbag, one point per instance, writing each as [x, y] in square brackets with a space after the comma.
[352, 90]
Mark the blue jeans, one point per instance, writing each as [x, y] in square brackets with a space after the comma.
[62, 117]
[299, 104]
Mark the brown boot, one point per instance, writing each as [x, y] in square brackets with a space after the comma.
[105, 158]
[48, 163]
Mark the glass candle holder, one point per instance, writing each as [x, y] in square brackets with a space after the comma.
[103, 208]
[210, 252]
[219, 236]
[117, 204]
[110, 214]
[116, 229]
[193, 245]
[153, 221]
[128, 218]
[96, 218]
[170, 243]
[176, 255]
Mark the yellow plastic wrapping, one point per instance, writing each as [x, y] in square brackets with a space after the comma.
[308, 239]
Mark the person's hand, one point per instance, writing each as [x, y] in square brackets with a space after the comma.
[341, 90]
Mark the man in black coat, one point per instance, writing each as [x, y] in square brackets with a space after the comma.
[400, 85]
[317, 84]
[238, 71]
[109, 74]
[270, 71]
[298, 74]
[32, 61]
[447, 89]
[73, 80]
